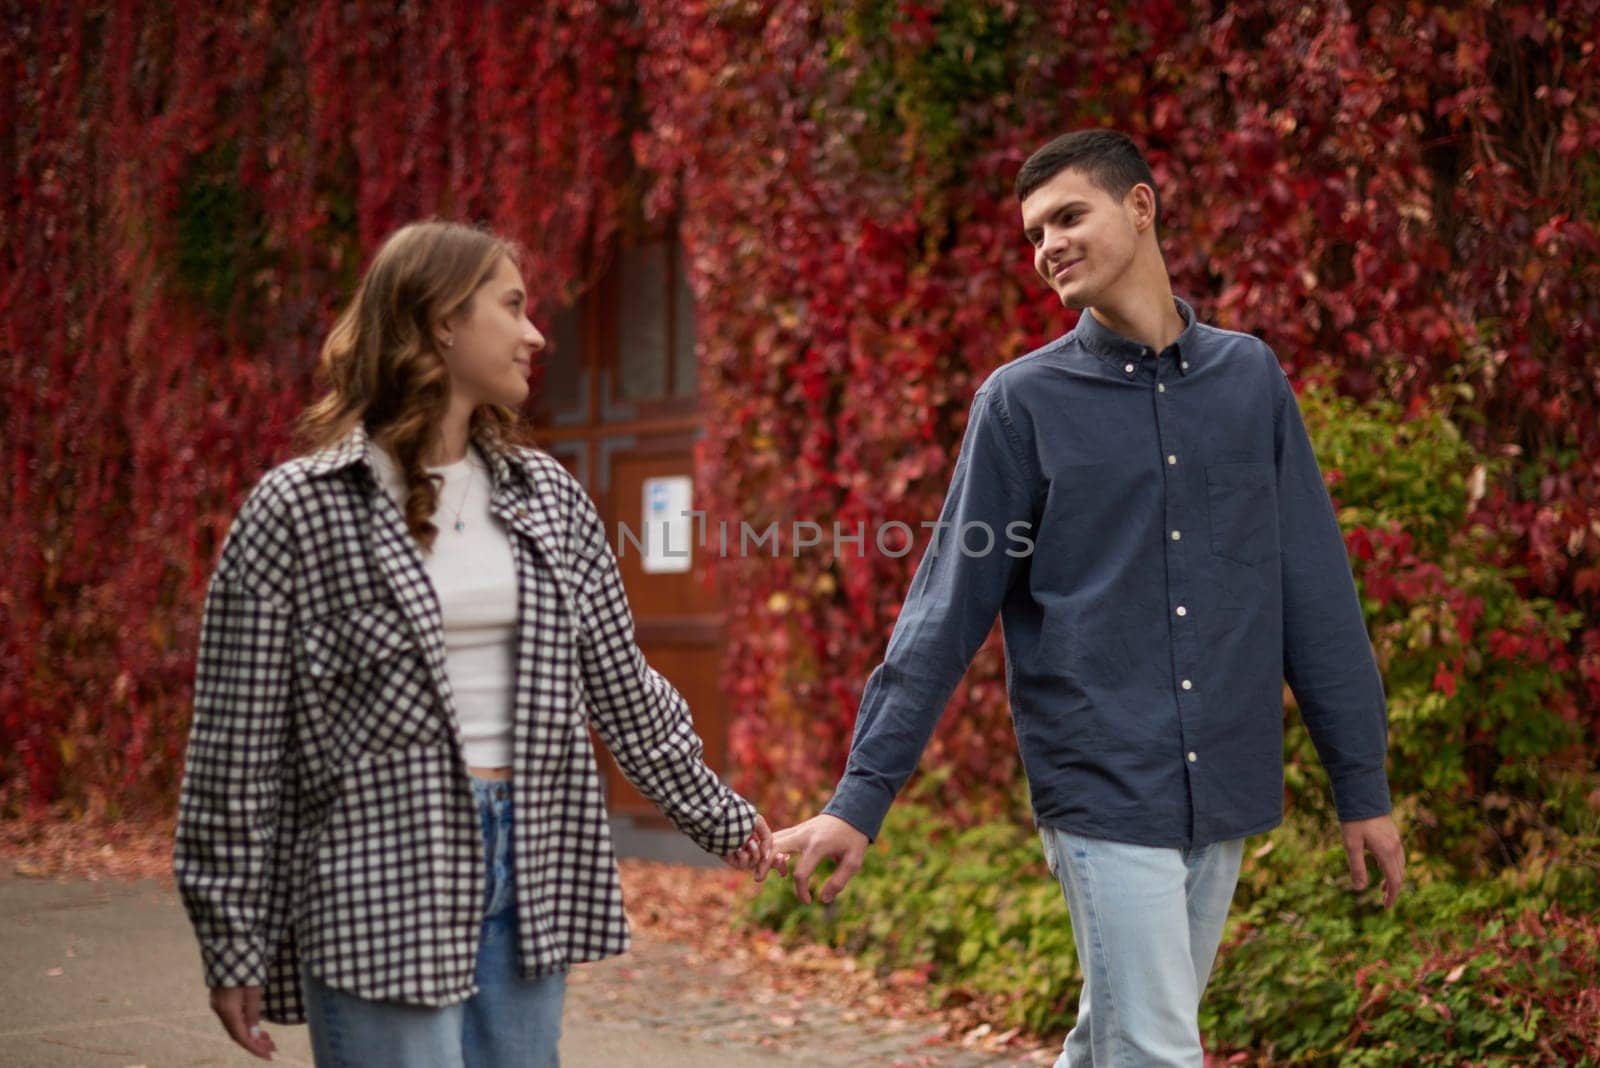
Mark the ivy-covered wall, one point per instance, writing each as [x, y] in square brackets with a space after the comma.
[1402, 198]
[187, 194]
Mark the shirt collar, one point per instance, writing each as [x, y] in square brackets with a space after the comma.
[1114, 348]
[355, 449]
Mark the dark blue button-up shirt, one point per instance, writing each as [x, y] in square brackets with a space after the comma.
[1164, 556]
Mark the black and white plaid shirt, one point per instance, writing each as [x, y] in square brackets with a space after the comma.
[326, 814]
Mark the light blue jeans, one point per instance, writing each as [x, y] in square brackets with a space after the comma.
[1147, 923]
[510, 1022]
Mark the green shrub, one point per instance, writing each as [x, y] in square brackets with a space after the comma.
[1309, 971]
[1477, 675]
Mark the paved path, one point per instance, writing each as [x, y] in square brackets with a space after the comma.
[105, 973]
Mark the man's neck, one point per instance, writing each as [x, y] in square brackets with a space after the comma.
[1150, 318]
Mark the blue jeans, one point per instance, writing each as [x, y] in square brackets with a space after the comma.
[1147, 923]
[509, 1022]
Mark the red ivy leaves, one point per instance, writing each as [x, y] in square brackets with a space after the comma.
[1355, 185]
[1395, 196]
[195, 187]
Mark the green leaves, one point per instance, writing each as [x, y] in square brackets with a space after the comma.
[1309, 972]
[1475, 670]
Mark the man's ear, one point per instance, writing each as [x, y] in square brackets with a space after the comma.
[1141, 204]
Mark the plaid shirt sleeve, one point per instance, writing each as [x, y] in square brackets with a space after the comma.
[640, 716]
[228, 808]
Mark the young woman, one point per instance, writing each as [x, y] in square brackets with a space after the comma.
[391, 824]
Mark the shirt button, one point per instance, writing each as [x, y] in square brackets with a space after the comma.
[1185, 365]
[1176, 534]
[1192, 757]
[1172, 459]
[1187, 685]
[1160, 388]
[1182, 611]
[1128, 368]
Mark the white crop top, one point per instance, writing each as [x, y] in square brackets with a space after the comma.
[473, 573]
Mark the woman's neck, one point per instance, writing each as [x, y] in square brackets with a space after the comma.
[448, 443]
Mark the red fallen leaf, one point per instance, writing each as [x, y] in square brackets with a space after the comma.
[909, 977]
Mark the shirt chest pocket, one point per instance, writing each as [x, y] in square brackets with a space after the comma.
[1241, 499]
[347, 643]
[371, 681]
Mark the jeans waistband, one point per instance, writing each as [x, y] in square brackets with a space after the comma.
[490, 790]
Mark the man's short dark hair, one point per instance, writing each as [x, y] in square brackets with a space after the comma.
[1109, 159]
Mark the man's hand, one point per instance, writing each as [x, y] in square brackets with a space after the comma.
[817, 839]
[757, 854]
[239, 1009]
[1382, 837]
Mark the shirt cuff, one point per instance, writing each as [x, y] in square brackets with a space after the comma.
[736, 829]
[1363, 796]
[233, 964]
[861, 804]
[719, 829]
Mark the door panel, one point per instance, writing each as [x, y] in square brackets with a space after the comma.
[678, 615]
[620, 410]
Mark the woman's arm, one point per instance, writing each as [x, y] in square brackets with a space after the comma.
[640, 716]
[229, 803]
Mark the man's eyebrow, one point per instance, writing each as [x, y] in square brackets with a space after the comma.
[1055, 210]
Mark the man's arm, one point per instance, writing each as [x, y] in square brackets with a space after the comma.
[1327, 654]
[949, 611]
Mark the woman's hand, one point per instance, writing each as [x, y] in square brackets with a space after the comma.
[758, 854]
[239, 1009]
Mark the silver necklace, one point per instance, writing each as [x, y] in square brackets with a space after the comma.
[459, 524]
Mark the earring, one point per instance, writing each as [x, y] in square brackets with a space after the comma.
[449, 341]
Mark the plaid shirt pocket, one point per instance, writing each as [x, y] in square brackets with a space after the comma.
[371, 681]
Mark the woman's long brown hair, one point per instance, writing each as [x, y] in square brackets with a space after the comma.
[381, 366]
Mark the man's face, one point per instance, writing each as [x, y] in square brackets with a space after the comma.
[1083, 238]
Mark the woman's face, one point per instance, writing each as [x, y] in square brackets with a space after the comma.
[491, 351]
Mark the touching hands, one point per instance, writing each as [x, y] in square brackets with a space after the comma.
[821, 838]
[758, 853]
[239, 1009]
[1381, 837]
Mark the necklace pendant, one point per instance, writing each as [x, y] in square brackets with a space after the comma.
[460, 525]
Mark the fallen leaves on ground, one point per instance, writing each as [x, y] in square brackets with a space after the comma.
[705, 907]
[84, 849]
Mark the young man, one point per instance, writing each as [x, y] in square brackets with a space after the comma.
[1186, 561]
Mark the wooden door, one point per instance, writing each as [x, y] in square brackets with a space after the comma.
[618, 407]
